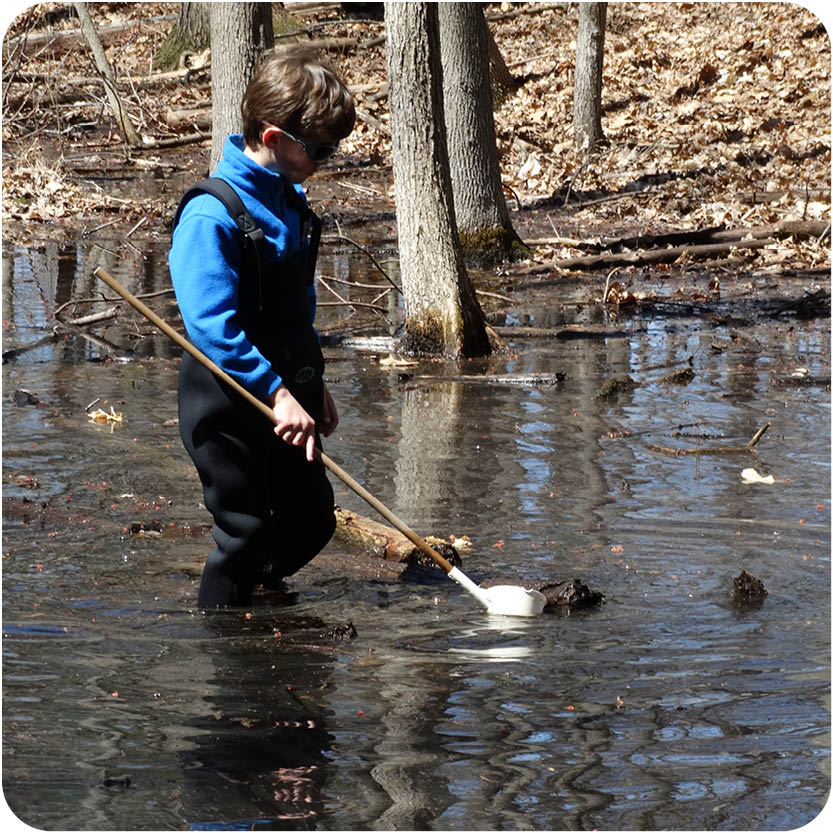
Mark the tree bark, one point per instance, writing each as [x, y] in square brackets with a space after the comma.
[240, 34]
[442, 314]
[504, 83]
[479, 204]
[128, 131]
[587, 94]
[190, 33]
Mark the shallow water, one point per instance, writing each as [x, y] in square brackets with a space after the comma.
[665, 708]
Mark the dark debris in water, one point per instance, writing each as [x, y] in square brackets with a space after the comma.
[145, 528]
[22, 398]
[748, 591]
[116, 782]
[611, 388]
[420, 559]
[678, 377]
[341, 633]
[567, 596]
[321, 640]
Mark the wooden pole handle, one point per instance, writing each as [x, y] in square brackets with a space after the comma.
[269, 414]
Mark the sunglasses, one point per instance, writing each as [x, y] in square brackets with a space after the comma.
[316, 151]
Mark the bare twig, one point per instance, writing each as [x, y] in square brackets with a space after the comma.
[102, 299]
[373, 122]
[93, 318]
[355, 284]
[493, 295]
[353, 304]
[334, 238]
[758, 434]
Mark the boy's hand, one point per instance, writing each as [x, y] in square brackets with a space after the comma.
[293, 424]
[329, 416]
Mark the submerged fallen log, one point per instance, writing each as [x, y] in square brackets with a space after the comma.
[389, 544]
[522, 379]
[396, 550]
[378, 539]
[570, 332]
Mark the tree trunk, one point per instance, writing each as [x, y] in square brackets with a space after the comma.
[240, 34]
[504, 83]
[479, 204]
[128, 131]
[442, 315]
[587, 94]
[190, 33]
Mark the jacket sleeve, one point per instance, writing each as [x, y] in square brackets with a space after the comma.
[205, 261]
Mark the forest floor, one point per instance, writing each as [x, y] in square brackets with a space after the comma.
[717, 118]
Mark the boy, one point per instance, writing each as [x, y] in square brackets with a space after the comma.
[272, 505]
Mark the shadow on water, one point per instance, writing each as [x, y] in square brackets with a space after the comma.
[665, 708]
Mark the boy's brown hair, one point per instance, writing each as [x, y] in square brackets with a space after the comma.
[295, 90]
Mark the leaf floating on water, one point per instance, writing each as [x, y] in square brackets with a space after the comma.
[102, 416]
[751, 476]
[461, 543]
[393, 361]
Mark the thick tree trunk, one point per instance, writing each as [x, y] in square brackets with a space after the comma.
[587, 95]
[240, 34]
[442, 315]
[479, 204]
[190, 33]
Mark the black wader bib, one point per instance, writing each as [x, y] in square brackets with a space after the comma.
[272, 509]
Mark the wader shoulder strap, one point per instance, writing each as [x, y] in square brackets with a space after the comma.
[252, 233]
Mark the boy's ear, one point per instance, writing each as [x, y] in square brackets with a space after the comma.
[270, 135]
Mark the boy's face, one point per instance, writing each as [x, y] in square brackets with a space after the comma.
[287, 155]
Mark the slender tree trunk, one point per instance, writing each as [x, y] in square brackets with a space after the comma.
[587, 95]
[128, 131]
[479, 204]
[442, 315]
[240, 34]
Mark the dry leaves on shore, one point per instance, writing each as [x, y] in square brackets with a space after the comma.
[715, 113]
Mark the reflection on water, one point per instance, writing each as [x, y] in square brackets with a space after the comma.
[665, 708]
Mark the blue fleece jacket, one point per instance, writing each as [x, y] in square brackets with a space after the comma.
[206, 257]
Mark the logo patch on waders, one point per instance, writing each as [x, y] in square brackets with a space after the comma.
[304, 375]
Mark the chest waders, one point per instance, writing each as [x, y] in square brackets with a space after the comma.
[272, 510]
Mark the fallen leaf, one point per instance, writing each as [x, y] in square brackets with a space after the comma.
[102, 416]
[751, 476]
[393, 361]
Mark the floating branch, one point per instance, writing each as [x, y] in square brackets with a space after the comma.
[728, 449]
